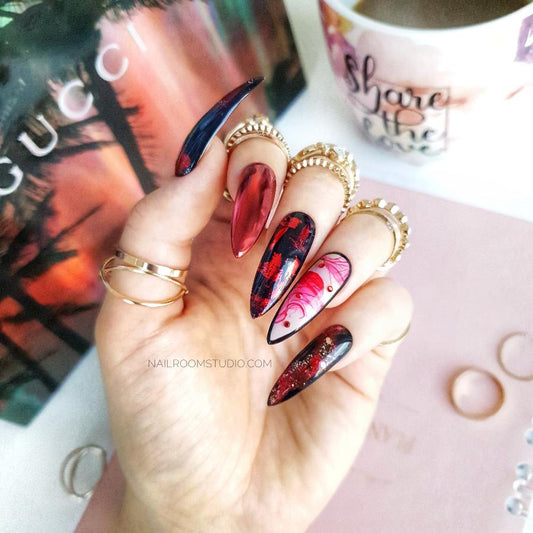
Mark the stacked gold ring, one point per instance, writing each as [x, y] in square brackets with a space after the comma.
[395, 221]
[258, 126]
[339, 161]
[124, 261]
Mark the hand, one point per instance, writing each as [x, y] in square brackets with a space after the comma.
[199, 447]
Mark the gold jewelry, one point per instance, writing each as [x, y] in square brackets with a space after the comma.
[331, 157]
[459, 396]
[138, 266]
[506, 352]
[227, 196]
[258, 126]
[145, 266]
[395, 221]
[397, 339]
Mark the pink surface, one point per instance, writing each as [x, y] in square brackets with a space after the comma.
[423, 467]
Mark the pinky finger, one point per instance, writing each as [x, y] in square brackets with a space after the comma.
[370, 322]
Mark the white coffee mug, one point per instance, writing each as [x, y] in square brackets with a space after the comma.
[420, 92]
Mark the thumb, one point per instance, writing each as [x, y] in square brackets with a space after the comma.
[160, 230]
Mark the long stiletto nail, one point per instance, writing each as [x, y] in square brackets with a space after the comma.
[207, 127]
[312, 362]
[253, 203]
[315, 289]
[283, 258]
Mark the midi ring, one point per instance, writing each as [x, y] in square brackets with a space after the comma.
[397, 339]
[331, 157]
[258, 126]
[395, 220]
[124, 261]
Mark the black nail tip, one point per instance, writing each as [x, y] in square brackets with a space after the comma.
[281, 261]
[207, 127]
[311, 363]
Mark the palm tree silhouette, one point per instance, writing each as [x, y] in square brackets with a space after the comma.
[57, 40]
[16, 271]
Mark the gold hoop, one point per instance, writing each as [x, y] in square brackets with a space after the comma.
[455, 380]
[258, 126]
[145, 266]
[501, 359]
[398, 339]
[107, 268]
[395, 221]
[337, 160]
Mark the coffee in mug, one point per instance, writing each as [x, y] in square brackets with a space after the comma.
[435, 14]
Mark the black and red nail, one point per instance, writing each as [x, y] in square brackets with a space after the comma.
[282, 260]
[319, 356]
[206, 128]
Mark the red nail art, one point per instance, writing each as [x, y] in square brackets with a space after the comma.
[322, 353]
[283, 258]
[252, 206]
[313, 292]
[206, 128]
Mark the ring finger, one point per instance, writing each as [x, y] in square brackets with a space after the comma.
[366, 239]
[380, 310]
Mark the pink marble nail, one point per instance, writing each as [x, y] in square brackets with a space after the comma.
[309, 296]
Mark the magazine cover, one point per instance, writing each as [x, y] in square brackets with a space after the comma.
[96, 97]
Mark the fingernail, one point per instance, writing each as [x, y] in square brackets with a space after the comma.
[312, 362]
[207, 127]
[283, 258]
[253, 203]
[315, 289]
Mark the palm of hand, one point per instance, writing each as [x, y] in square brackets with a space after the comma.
[201, 442]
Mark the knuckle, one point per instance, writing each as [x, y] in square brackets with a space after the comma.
[393, 296]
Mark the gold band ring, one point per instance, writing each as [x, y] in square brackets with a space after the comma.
[397, 339]
[462, 386]
[395, 221]
[138, 266]
[258, 126]
[145, 266]
[339, 161]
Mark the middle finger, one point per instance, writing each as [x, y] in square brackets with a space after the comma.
[299, 227]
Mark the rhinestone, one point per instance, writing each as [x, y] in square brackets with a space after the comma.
[528, 435]
[514, 506]
[524, 471]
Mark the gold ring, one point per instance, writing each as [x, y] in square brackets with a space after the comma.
[457, 395]
[398, 339]
[131, 260]
[395, 221]
[504, 363]
[258, 126]
[141, 267]
[339, 161]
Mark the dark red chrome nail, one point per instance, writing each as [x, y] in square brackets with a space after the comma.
[283, 258]
[313, 292]
[206, 128]
[312, 362]
[253, 203]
